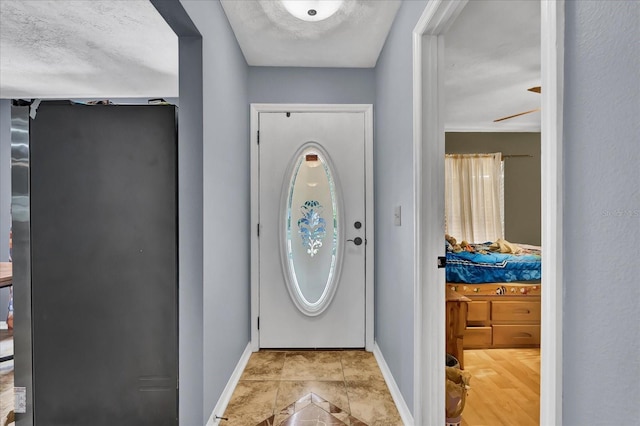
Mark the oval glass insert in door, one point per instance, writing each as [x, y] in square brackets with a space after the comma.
[311, 235]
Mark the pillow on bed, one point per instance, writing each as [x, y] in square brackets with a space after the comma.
[504, 246]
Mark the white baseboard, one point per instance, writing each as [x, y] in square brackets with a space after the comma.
[403, 409]
[224, 399]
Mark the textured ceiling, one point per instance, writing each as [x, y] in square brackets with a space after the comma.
[85, 48]
[270, 36]
[492, 56]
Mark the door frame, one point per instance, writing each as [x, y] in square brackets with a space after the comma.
[255, 110]
[428, 140]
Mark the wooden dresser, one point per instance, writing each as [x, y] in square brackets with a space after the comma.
[456, 322]
[501, 315]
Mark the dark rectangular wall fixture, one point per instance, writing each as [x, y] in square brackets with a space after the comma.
[104, 264]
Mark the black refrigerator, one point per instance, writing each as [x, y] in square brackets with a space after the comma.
[95, 224]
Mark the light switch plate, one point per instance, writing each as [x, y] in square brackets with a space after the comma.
[397, 216]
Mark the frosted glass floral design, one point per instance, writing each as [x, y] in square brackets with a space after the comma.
[310, 219]
[312, 227]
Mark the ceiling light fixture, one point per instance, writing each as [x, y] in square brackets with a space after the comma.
[312, 10]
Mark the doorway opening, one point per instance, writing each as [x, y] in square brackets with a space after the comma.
[429, 131]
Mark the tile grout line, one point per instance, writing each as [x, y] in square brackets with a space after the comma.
[346, 389]
[275, 402]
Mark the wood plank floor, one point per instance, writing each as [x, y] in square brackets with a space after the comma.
[505, 387]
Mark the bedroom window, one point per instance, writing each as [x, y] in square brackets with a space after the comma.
[474, 197]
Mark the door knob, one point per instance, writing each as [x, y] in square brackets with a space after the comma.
[357, 241]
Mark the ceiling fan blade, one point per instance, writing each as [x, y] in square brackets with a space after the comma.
[536, 89]
[516, 115]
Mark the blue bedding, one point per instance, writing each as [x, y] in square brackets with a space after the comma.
[472, 268]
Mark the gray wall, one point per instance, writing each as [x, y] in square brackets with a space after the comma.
[521, 177]
[190, 307]
[5, 194]
[190, 195]
[226, 199]
[393, 158]
[601, 337]
[311, 85]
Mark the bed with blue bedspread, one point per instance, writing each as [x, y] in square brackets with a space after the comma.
[482, 265]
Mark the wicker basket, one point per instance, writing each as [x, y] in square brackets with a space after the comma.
[456, 394]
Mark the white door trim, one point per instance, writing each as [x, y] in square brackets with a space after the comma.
[255, 110]
[428, 138]
[552, 53]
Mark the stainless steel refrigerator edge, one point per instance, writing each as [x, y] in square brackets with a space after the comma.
[21, 256]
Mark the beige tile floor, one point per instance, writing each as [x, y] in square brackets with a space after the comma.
[311, 388]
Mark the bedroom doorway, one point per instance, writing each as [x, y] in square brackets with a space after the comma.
[492, 194]
[429, 131]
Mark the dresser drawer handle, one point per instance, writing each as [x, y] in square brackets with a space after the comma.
[521, 311]
[523, 335]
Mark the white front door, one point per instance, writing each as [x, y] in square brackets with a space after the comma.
[312, 229]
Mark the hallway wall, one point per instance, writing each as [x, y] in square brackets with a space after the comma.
[311, 85]
[226, 198]
[393, 158]
[601, 337]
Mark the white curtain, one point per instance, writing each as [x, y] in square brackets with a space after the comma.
[474, 197]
